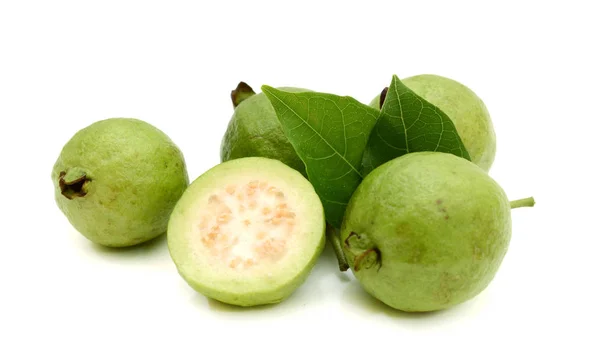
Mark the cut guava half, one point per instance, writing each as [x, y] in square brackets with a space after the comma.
[247, 232]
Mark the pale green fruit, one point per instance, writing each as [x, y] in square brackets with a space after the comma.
[247, 232]
[117, 181]
[466, 110]
[426, 231]
[255, 131]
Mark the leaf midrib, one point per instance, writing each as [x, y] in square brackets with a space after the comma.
[397, 93]
[319, 134]
[401, 114]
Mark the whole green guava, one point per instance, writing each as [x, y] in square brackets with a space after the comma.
[426, 231]
[466, 110]
[117, 181]
[255, 131]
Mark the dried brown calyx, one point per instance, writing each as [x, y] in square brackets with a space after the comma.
[73, 183]
[382, 97]
[242, 92]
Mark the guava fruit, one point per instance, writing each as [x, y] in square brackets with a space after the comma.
[426, 231]
[117, 181]
[255, 131]
[466, 110]
[247, 232]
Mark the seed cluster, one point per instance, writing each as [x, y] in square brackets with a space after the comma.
[248, 224]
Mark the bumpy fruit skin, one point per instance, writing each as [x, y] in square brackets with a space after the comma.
[255, 131]
[466, 110]
[433, 228]
[245, 291]
[134, 176]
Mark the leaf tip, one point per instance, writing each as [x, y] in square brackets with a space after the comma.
[267, 89]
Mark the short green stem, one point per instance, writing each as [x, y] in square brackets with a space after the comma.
[333, 236]
[527, 202]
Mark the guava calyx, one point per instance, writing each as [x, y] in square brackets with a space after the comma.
[368, 259]
[382, 96]
[73, 183]
[242, 92]
[366, 254]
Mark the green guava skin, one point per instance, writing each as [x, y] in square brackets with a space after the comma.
[255, 131]
[442, 227]
[466, 110]
[136, 175]
[236, 291]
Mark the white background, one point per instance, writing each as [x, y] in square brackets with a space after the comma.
[65, 65]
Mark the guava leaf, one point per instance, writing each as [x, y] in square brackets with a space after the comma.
[408, 123]
[329, 134]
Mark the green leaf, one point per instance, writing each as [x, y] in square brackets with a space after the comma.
[329, 134]
[407, 124]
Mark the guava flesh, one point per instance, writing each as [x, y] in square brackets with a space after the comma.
[117, 181]
[426, 231]
[466, 110]
[255, 131]
[247, 232]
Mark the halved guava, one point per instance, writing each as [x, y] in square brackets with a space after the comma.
[247, 232]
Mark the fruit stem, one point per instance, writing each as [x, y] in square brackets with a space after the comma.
[527, 202]
[333, 236]
[241, 93]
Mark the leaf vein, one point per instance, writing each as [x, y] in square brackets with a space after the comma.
[314, 130]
